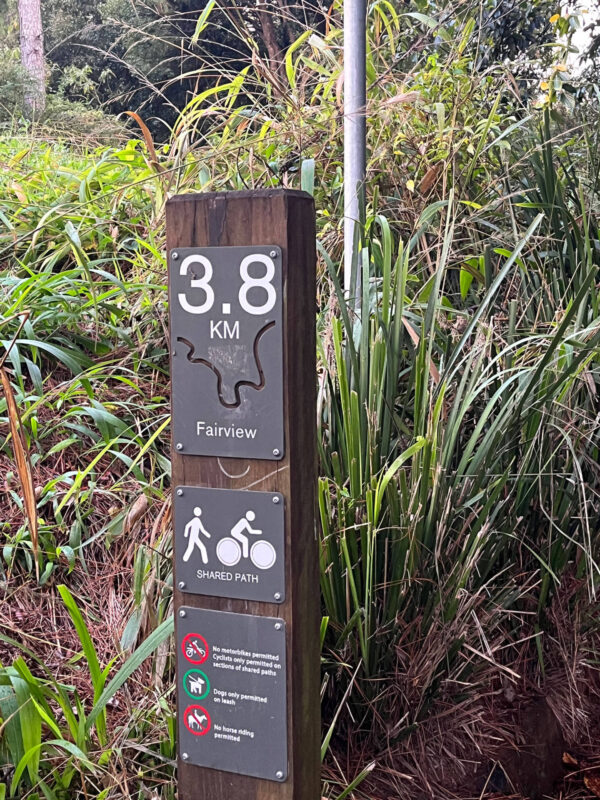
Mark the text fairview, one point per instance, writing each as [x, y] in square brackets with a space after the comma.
[222, 431]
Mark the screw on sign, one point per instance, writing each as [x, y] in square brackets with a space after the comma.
[197, 720]
[195, 648]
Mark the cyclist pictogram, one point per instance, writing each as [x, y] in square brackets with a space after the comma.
[232, 549]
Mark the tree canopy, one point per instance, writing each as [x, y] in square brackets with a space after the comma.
[154, 56]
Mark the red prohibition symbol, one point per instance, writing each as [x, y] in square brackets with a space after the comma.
[195, 648]
[197, 720]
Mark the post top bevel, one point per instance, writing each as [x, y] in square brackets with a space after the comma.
[244, 194]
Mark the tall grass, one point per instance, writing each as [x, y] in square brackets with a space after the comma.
[83, 307]
[50, 738]
[459, 444]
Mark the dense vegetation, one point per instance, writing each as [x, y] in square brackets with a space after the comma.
[459, 490]
[154, 56]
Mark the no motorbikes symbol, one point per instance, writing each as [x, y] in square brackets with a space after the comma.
[195, 648]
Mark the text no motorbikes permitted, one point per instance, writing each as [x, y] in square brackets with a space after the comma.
[195, 648]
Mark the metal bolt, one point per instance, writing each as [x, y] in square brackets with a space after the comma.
[276, 452]
[277, 596]
[182, 613]
[179, 446]
[273, 253]
[278, 626]
[276, 499]
[181, 585]
[175, 256]
[184, 756]
[279, 774]
[179, 492]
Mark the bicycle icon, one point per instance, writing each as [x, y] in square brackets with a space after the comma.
[231, 549]
[194, 650]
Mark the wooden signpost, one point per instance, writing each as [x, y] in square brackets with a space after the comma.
[242, 320]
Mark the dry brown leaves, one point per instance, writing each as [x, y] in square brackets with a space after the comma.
[147, 139]
[591, 774]
[20, 450]
[592, 782]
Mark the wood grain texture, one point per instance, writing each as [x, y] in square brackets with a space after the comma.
[284, 218]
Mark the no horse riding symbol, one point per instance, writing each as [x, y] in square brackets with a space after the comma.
[197, 720]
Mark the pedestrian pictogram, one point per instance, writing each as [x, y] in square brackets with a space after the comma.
[192, 533]
[197, 720]
[232, 549]
[195, 648]
[196, 684]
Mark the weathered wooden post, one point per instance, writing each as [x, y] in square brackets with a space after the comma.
[242, 319]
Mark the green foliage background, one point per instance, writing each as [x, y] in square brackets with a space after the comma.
[143, 56]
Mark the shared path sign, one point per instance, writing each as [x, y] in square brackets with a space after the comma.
[242, 328]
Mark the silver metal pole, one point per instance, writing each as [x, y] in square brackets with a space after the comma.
[355, 128]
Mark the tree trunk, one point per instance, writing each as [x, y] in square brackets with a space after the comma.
[32, 56]
[275, 53]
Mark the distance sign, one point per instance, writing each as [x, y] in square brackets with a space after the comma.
[226, 341]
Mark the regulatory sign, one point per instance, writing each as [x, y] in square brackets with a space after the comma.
[232, 712]
[226, 341]
[195, 684]
[230, 543]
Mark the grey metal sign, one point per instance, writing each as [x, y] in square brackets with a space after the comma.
[232, 711]
[230, 543]
[226, 340]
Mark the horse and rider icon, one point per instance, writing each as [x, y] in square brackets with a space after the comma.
[230, 549]
[197, 720]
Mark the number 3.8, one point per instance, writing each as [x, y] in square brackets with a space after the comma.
[248, 282]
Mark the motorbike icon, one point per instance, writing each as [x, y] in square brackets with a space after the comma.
[193, 649]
